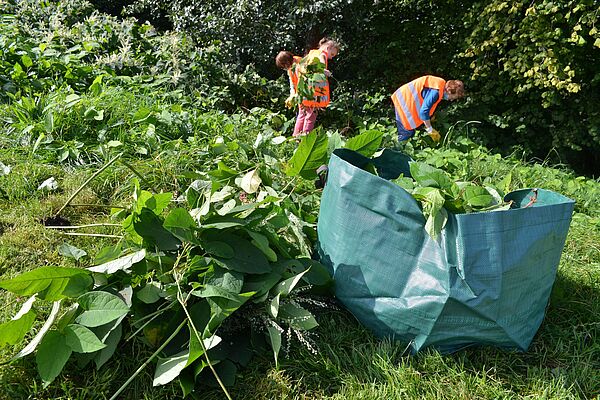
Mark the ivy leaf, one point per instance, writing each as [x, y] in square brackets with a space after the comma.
[51, 356]
[48, 282]
[310, 155]
[366, 143]
[70, 251]
[100, 308]
[82, 340]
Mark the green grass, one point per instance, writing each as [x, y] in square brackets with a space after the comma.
[563, 362]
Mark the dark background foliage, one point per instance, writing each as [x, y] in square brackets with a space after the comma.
[530, 68]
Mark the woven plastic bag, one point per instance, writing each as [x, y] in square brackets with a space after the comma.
[485, 280]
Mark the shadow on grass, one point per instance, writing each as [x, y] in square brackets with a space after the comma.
[562, 362]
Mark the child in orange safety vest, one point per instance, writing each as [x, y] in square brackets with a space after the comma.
[286, 60]
[307, 110]
[416, 101]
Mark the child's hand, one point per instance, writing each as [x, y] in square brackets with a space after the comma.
[289, 102]
[328, 73]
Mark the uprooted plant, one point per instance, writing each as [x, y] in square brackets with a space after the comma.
[204, 285]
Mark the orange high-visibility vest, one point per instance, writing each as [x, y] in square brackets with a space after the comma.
[408, 100]
[321, 88]
[294, 74]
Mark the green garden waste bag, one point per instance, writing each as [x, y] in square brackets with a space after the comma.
[486, 279]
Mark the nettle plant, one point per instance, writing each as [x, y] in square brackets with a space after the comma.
[206, 284]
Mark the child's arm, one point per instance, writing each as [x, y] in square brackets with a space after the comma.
[323, 60]
[292, 89]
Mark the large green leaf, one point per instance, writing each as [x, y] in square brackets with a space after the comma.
[477, 196]
[262, 243]
[366, 143]
[41, 333]
[149, 226]
[297, 317]
[100, 308]
[82, 340]
[13, 332]
[229, 280]
[216, 291]
[219, 249]
[111, 342]
[157, 203]
[310, 155]
[426, 175]
[246, 259]
[120, 264]
[52, 355]
[181, 224]
[335, 142]
[169, 368]
[196, 350]
[48, 282]
[150, 293]
[251, 181]
[70, 251]
[222, 308]
[275, 339]
[285, 288]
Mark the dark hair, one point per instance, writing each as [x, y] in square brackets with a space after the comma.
[284, 60]
[329, 41]
[456, 87]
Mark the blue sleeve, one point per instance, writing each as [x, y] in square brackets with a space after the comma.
[430, 96]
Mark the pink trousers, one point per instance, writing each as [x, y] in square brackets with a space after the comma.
[305, 121]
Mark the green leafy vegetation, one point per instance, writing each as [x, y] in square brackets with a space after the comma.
[157, 224]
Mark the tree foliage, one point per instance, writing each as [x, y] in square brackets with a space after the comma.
[534, 69]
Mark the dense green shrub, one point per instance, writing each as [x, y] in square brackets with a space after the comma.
[535, 77]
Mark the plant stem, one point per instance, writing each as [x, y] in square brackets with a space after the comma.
[189, 318]
[125, 163]
[137, 372]
[95, 174]
[97, 205]
[91, 235]
[151, 317]
[80, 226]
